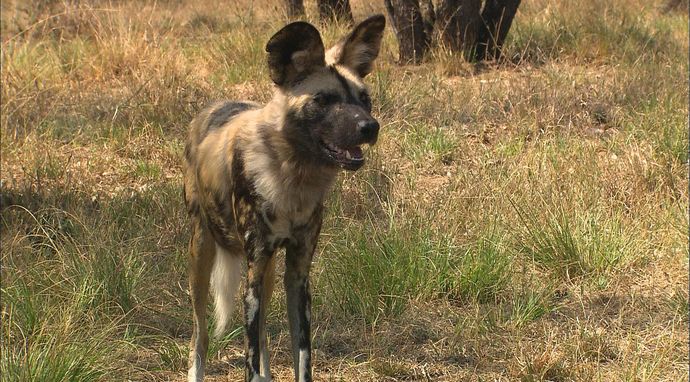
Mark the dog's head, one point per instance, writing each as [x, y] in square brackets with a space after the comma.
[328, 107]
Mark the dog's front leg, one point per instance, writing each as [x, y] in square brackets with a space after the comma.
[298, 257]
[259, 263]
[297, 265]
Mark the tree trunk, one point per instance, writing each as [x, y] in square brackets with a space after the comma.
[458, 23]
[295, 9]
[675, 5]
[426, 8]
[497, 17]
[331, 10]
[408, 24]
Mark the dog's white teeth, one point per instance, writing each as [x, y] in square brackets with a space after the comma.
[348, 155]
[335, 149]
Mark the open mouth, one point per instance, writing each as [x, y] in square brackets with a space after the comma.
[349, 158]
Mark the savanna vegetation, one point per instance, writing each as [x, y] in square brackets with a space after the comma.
[520, 220]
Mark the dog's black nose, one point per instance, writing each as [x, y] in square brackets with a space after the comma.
[369, 129]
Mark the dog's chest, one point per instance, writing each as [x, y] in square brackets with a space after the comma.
[283, 225]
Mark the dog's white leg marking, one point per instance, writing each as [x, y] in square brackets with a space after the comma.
[225, 280]
[303, 364]
[252, 305]
[265, 364]
[196, 372]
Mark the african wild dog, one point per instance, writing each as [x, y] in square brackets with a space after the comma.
[256, 178]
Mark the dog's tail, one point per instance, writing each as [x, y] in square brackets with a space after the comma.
[225, 280]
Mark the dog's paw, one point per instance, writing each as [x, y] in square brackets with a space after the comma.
[258, 378]
[195, 375]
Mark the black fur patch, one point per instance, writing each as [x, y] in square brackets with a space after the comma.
[220, 116]
[299, 124]
[304, 308]
[350, 98]
[362, 99]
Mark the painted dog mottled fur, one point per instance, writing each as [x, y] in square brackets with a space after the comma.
[256, 177]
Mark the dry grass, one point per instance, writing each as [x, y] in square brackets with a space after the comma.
[524, 221]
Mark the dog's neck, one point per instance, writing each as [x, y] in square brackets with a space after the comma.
[289, 184]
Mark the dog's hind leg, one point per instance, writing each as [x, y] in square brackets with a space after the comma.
[202, 252]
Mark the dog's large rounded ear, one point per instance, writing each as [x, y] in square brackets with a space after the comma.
[294, 52]
[360, 48]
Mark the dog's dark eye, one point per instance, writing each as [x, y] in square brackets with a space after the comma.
[324, 99]
[366, 101]
[320, 98]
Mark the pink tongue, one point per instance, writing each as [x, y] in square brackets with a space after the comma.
[355, 152]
